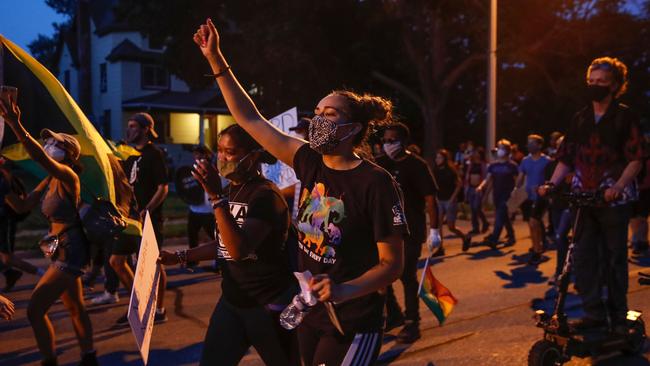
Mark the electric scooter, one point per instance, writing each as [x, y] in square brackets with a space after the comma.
[560, 341]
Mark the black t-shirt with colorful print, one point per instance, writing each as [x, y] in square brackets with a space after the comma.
[342, 216]
[263, 275]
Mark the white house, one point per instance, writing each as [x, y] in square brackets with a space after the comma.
[126, 76]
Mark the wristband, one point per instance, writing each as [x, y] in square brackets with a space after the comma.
[222, 202]
[216, 197]
[220, 73]
[182, 256]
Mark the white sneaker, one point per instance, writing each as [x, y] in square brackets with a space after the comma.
[105, 298]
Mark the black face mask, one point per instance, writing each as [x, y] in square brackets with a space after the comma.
[597, 93]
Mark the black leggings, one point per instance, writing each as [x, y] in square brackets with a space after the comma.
[233, 330]
[412, 251]
[320, 348]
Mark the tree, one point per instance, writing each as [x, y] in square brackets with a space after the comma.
[43, 48]
[429, 56]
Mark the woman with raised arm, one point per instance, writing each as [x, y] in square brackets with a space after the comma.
[252, 222]
[65, 244]
[350, 221]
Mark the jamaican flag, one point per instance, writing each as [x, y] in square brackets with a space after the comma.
[44, 103]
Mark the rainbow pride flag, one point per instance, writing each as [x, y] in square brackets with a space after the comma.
[435, 295]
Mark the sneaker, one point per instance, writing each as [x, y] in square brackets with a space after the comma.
[89, 359]
[535, 259]
[410, 333]
[105, 298]
[160, 317]
[640, 248]
[393, 321]
[439, 253]
[123, 320]
[11, 276]
[490, 243]
[510, 242]
[467, 242]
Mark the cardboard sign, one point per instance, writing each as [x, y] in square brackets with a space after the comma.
[142, 306]
[280, 173]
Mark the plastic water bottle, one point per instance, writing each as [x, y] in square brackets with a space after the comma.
[295, 312]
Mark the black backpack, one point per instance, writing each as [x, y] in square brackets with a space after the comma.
[101, 221]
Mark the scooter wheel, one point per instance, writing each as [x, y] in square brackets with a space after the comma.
[545, 353]
[637, 339]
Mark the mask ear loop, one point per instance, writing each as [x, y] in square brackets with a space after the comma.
[260, 150]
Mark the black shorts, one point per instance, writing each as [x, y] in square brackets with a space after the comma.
[73, 253]
[157, 223]
[534, 209]
[126, 245]
[641, 208]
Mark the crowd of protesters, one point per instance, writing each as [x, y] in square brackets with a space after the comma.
[351, 229]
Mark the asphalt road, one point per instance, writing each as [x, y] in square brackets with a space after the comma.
[491, 325]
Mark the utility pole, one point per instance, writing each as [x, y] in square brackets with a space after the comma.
[491, 130]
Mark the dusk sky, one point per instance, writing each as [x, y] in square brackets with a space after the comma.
[22, 20]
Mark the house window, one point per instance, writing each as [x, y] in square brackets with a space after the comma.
[154, 77]
[66, 80]
[102, 78]
[106, 124]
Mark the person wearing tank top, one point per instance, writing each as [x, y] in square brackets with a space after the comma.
[476, 172]
[65, 242]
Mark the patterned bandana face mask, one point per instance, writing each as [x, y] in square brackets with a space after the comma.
[322, 135]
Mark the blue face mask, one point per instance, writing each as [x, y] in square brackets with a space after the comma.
[393, 149]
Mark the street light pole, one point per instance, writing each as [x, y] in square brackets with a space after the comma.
[491, 129]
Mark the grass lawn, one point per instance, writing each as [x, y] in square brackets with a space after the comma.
[32, 229]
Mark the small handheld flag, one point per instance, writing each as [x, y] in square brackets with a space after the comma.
[435, 295]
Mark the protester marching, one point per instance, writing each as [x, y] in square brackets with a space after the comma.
[310, 238]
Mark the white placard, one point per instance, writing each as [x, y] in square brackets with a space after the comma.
[280, 173]
[142, 306]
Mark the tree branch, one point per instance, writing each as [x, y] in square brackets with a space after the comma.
[398, 86]
[458, 71]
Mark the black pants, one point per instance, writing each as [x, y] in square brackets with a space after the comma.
[318, 347]
[100, 258]
[112, 282]
[157, 223]
[233, 330]
[196, 222]
[412, 250]
[601, 259]
[501, 220]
